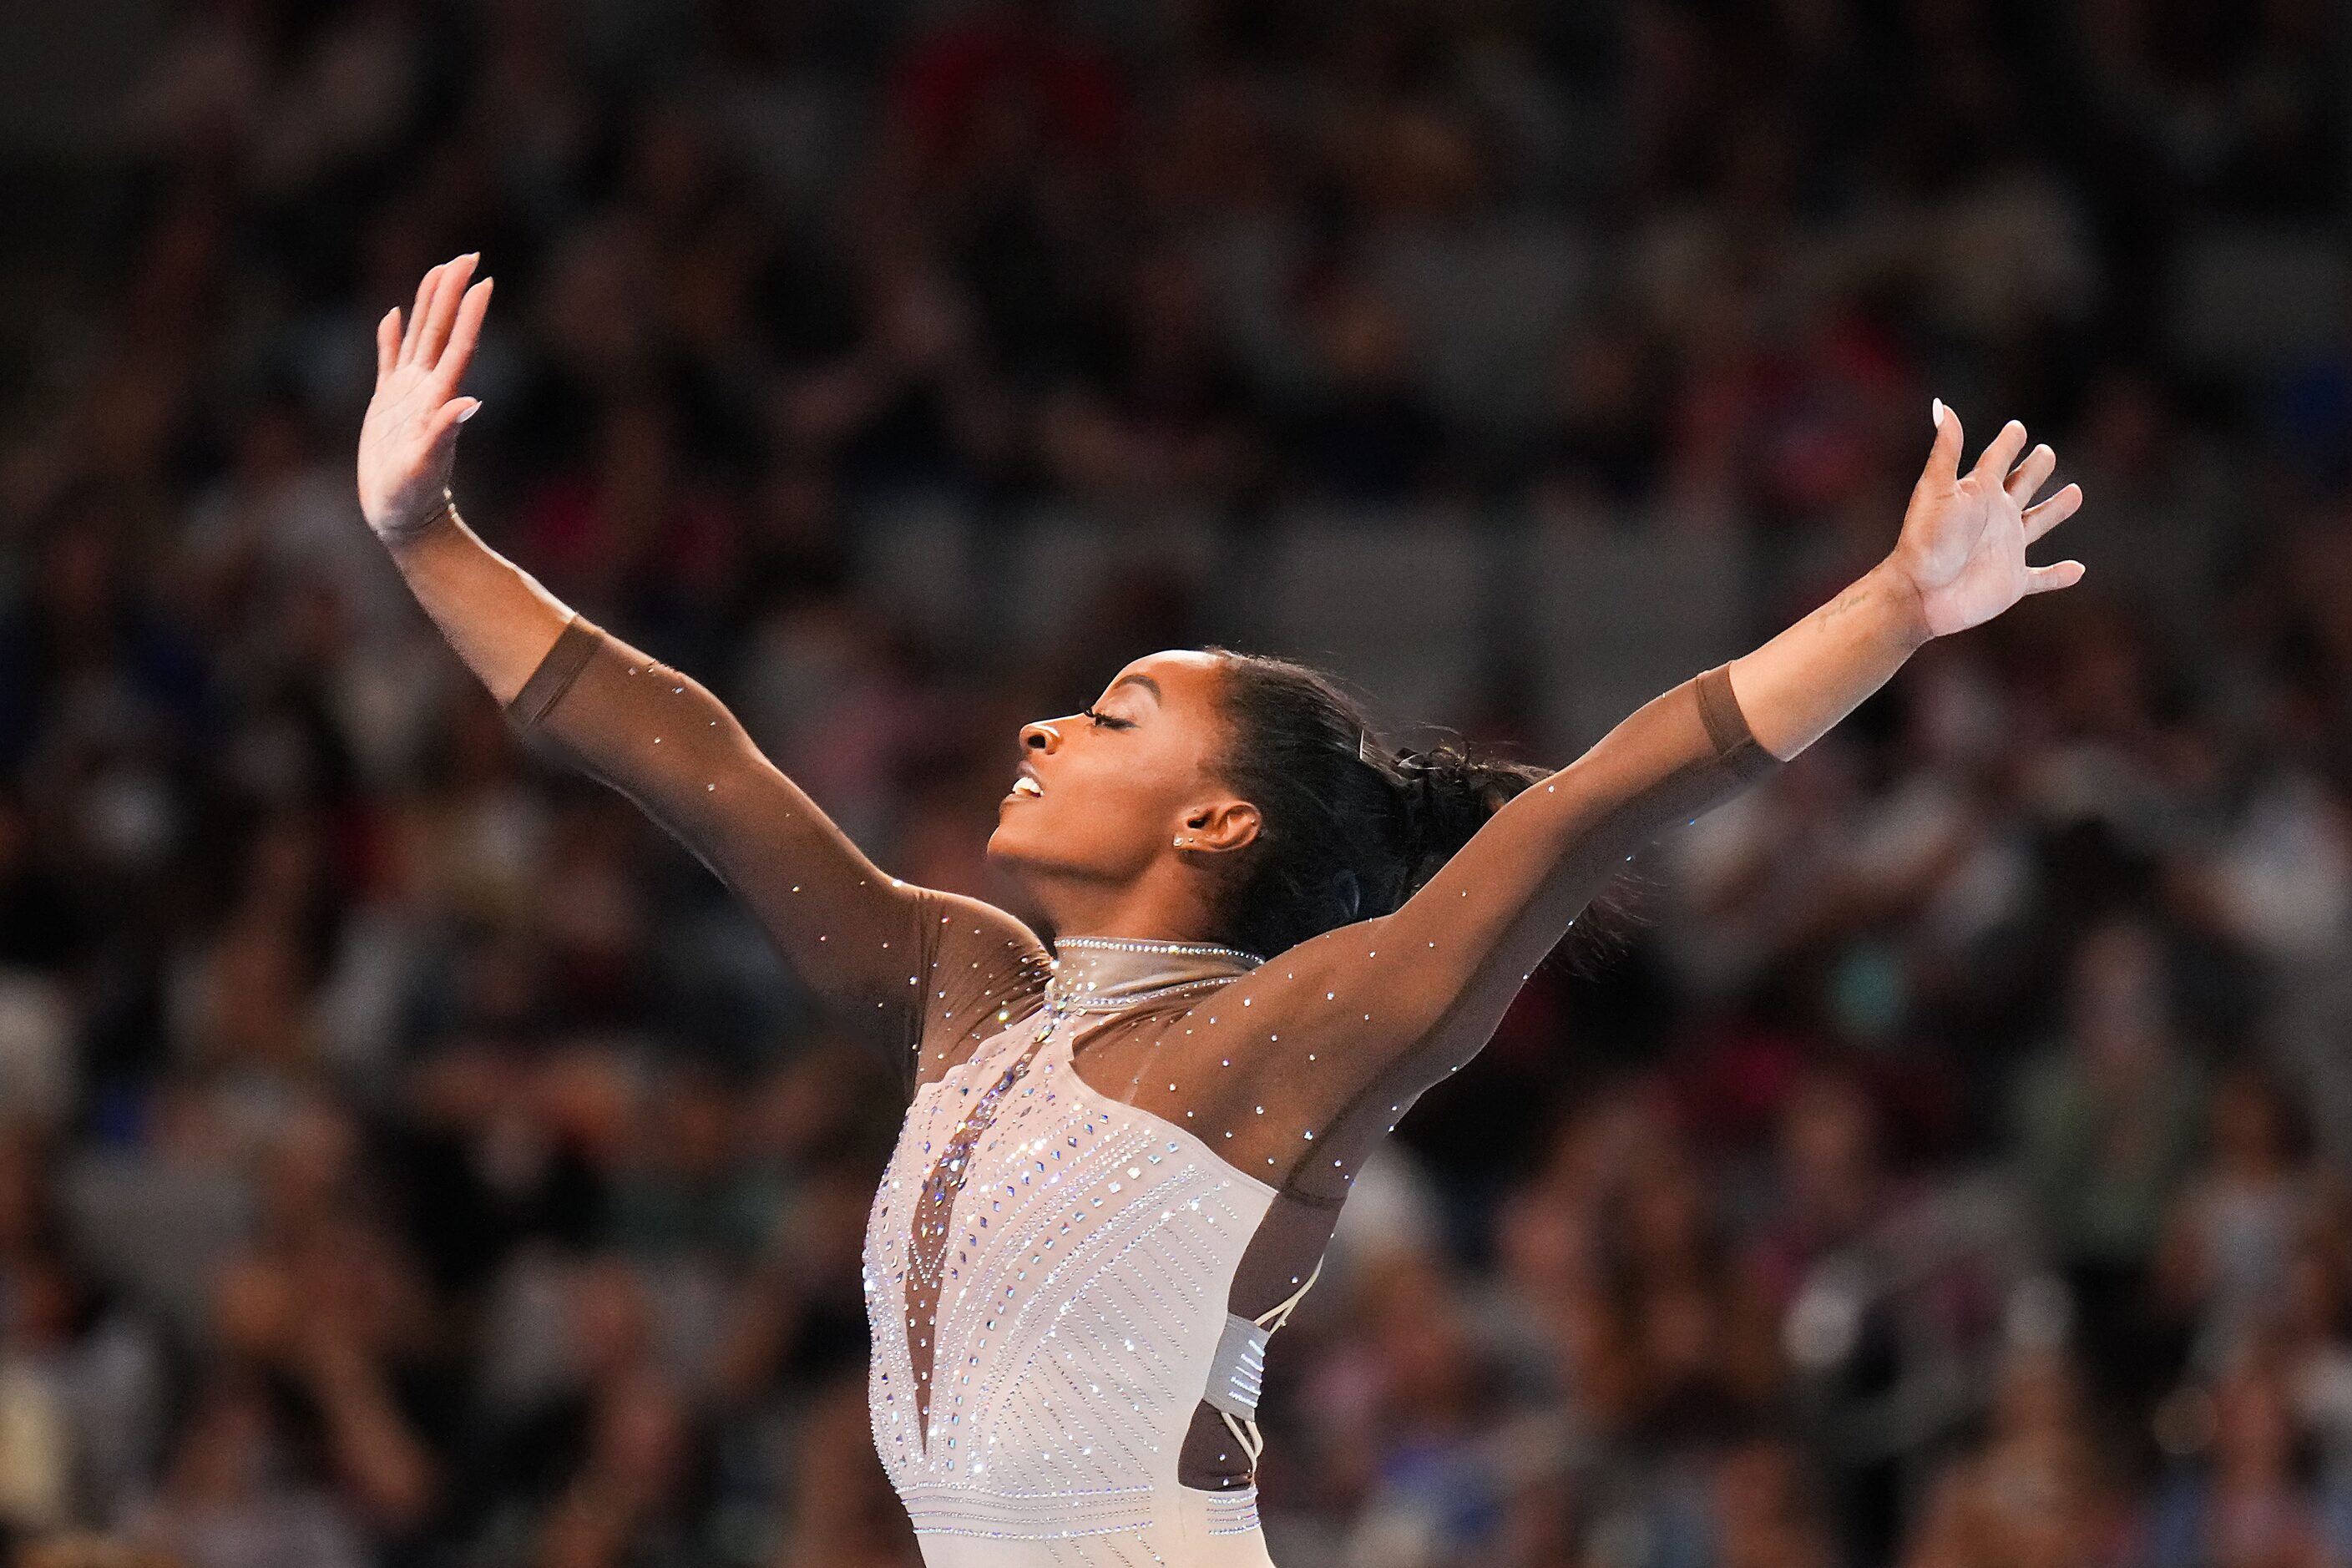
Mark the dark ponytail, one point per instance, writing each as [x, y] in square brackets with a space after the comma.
[1348, 830]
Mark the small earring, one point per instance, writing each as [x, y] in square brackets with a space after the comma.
[1181, 841]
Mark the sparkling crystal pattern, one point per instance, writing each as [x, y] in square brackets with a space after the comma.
[1091, 1247]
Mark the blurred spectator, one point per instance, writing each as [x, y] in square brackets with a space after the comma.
[2106, 1130]
[2039, 1492]
[2235, 1224]
[2250, 1505]
[231, 1496]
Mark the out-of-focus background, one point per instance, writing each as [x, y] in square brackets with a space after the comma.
[408, 1157]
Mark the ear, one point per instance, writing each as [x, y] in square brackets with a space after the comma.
[1215, 827]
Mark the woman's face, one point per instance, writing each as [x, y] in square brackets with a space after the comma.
[1102, 795]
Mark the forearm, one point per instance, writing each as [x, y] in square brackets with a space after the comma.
[497, 616]
[1795, 686]
[861, 940]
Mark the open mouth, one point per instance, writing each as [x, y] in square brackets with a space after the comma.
[1025, 786]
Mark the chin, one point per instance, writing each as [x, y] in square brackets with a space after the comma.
[1025, 830]
[1003, 849]
[1027, 852]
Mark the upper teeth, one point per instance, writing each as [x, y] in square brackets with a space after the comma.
[1024, 784]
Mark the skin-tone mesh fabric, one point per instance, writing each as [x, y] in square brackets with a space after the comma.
[905, 966]
[1288, 1072]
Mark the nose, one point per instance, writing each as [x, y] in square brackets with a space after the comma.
[1040, 737]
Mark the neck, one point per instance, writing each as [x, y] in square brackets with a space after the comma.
[1167, 903]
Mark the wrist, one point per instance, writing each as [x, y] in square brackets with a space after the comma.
[1902, 605]
[407, 532]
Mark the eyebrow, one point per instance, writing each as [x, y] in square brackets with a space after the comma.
[1145, 681]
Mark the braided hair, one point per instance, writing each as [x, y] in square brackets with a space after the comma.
[1348, 829]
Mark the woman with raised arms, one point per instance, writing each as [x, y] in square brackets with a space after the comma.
[1128, 1137]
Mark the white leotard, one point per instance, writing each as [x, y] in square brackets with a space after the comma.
[1082, 1301]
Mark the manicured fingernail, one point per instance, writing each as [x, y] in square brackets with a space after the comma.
[1936, 412]
[469, 413]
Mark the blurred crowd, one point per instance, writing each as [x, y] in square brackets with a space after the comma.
[407, 1156]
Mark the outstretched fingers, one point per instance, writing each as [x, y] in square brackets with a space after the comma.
[444, 315]
[441, 430]
[463, 336]
[387, 343]
[2042, 518]
[1999, 456]
[416, 314]
[2057, 575]
[2031, 474]
[1943, 469]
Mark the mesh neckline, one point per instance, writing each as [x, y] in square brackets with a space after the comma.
[1095, 975]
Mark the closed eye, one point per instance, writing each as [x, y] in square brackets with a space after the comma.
[1105, 721]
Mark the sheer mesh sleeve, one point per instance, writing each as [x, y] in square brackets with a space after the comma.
[922, 972]
[1295, 1071]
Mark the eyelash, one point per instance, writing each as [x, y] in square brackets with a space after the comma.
[1107, 721]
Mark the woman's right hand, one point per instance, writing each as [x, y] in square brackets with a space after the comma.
[408, 441]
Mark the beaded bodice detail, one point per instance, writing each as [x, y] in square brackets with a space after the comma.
[1093, 986]
[1046, 1268]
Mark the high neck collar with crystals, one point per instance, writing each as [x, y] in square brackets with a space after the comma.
[1102, 974]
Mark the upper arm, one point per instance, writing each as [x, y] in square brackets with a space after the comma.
[1477, 929]
[866, 943]
[1361, 1019]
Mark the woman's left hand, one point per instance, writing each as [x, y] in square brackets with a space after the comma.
[1962, 551]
